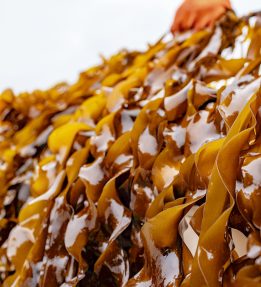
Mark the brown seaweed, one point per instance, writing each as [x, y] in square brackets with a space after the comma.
[146, 172]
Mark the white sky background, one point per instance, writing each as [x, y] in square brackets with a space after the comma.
[43, 42]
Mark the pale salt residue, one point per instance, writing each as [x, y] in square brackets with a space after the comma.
[240, 242]
[28, 150]
[240, 49]
[167, 267]
[204, 90]
[70, 272]
[258, 261]
[168, 173]
[240, 98]
[49, 165]
[181, 37]
[217, 84]
[93, 172]
[187, 233]
[63, 151]
[136, 238]
[102, 247]
[210, 255]
[101, 141]
[212, 47]
[144, 103]
[49, 168]
[75, 227]
[9, 197]
[178, 134]
[24, 178]
[126, 122]
[132, 113]
[143, 283]
[152, 97]
[2, 215]
[161, 112]
[138, 94]
[158, 95]
[36, 269]
[148, 143]
[221, 83]
[148, 191]
[3, 165]
[107, 90]
[17, 237]
[117, 211]
[4, 128]
[179, 75]
[145, 189]
[76, 145]
[233, 83]
[87, 134]
[123, 158]
[254, 251]
[36, 172]
[120, 266]
[59, 264]
[56, 222]
[254, 170]
[201, 132]
[175, 100]
[70, 161]
[246, 190]
[34, 112]
[199, 193]
[156, 79]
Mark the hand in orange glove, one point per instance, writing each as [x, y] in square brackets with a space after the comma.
[199, 14]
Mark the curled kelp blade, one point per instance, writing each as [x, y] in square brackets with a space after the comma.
[145, 172]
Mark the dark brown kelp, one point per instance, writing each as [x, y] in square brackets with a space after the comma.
[146, 172]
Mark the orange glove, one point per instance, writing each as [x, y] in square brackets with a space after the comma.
[198, 14]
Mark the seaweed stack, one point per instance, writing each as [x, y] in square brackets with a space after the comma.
[146, 172]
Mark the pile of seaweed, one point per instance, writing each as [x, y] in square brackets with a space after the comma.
[146, 172]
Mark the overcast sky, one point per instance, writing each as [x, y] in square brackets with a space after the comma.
[47, 41]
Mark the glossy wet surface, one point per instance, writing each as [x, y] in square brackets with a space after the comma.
[146, 172]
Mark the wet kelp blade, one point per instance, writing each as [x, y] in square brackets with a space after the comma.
[145, 172]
